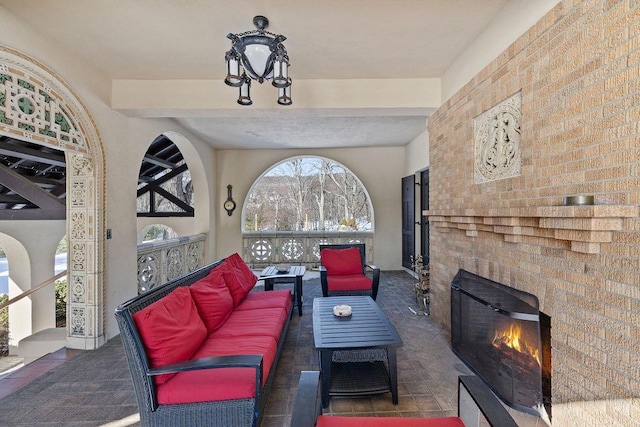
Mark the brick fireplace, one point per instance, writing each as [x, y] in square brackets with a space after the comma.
[577, 72]
[500, 333]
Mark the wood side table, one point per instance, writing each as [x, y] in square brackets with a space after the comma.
[293, 275]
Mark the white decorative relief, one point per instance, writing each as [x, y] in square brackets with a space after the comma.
[174, 262]
[161, 261]
[497, 150]
[78, 289]
[32, 109]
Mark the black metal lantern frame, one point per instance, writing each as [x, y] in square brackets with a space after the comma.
[258, 55]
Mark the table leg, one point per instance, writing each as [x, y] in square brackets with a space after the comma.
[268, 284]
[393, 373]
[325, 374]
[298, 292]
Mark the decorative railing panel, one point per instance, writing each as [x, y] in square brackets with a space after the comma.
[159, 262]
[260, 249]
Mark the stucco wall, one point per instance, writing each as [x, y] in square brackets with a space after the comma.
[379, 169]
[416, 155]
[125, 141]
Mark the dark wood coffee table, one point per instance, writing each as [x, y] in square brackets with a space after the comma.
[293, 275]
[352, 350]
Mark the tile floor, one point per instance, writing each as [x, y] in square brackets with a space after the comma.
[93, 388]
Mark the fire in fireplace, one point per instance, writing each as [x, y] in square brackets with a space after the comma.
[496, 330]
[511, 341]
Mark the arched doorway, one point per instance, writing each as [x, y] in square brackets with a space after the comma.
[36, 105]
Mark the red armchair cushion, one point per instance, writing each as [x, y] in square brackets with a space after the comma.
[236, 277]
[341, 261]
[171, 330]
[349, 282]
[213, 299]
[331, 421]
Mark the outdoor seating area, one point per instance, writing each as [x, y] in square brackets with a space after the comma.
[203, 349]
[95, 387]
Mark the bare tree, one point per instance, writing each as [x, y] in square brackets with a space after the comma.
[297, 189]
[308, 191]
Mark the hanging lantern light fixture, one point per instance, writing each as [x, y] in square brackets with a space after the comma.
[258, 55]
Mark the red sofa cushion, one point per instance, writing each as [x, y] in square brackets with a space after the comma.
[213, 299]
[235, 279]
[280, 298]
[220, 384]
[349, 282]
[259, 322]
[171, 330]
[330, 421]
[341, 261]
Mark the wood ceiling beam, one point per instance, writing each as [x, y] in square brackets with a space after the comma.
[159, 162]
[29, 190]
[49, 158]
[32, 214]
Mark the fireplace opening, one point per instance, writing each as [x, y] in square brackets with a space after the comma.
[502, 336]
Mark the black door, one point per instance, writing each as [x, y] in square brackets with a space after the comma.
[424, 220]
[408, 225]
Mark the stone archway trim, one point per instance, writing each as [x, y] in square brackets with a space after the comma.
[38, 106]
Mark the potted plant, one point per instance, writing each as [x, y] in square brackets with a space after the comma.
[422, 287]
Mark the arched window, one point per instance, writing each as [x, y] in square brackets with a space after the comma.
[164, 183]
[308, 194]
[301, 203]
[155, 232]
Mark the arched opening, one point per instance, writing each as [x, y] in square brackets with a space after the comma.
[300, 203]
[165, 188]
[61, 286]
[308, 193]
[171, 232]
[156, 232]
[40, 108]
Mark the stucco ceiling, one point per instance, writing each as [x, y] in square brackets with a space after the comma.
[328, 39]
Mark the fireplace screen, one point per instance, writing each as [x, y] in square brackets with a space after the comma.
[495, 330]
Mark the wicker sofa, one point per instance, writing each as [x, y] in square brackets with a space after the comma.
[202, 349]
[475, 403]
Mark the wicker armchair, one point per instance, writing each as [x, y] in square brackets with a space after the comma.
[477, 405]
[343, 271]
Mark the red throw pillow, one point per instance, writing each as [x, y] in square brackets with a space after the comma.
[244, 273]
[213, 300]
[341, 261]
[171, 330]
[235, 280]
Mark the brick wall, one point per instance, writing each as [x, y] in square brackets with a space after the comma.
[578, 70]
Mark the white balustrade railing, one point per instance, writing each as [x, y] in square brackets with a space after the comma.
[260, 249]
[161, 261]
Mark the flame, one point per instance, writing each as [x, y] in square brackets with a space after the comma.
[511, 338]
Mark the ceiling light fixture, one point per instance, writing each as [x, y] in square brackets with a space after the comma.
[258, 55]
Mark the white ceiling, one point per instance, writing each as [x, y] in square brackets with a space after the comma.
[328, 39]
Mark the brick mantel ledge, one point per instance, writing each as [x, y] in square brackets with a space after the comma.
[586, 227]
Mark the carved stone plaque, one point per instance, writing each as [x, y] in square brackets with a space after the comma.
[497, 151]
